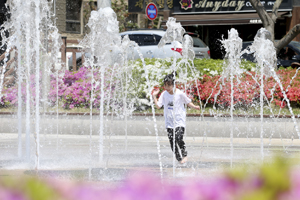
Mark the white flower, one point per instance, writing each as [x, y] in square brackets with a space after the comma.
[213, 73]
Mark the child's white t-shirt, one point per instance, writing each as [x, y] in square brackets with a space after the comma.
[166, 100]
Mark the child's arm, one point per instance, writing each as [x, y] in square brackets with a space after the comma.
[191, 105]
[154, 94]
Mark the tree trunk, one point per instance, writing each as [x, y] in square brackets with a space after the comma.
[270, 28]
[269, 23]
[287, 38]
[267, 20]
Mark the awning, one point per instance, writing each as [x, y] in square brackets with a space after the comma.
[219, 19]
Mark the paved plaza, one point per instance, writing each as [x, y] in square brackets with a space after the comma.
[75, 154]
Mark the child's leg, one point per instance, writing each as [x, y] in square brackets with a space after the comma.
[170, 136]
[179, 140]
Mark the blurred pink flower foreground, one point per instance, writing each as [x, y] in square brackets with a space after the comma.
[270, 182]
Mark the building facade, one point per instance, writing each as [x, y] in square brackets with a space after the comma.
[73, 15]
[70, 17]
[212, 19]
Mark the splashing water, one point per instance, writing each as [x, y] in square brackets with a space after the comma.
[175, 35]
[37, 43]
[103, 52]
[233, 46]
[265, 54]
[112, 51]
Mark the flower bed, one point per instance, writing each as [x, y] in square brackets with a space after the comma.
[217, 90]
[74, 88]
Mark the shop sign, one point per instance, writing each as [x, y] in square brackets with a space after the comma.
[206, 6]
[186, 4]
[255, 21]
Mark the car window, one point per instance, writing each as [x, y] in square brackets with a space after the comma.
[144, 39]
[245, 45]
[286, 53]
[135, 38]
[148, 40]
[157, 39]
[198, 42]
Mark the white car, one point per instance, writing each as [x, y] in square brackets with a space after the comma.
[149, 39]
[200, 48]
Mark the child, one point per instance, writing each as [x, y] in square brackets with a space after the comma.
[166, 100]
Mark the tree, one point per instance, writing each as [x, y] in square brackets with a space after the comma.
[121, 9]
[269, 21]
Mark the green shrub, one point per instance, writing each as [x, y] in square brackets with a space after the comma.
[214, 67]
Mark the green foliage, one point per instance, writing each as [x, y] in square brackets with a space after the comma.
[154, 24]
[32, 188]
[37, 190]
[121, 9]
[204, 66]
[248, 65]
[158, 68]
[285, 68]
[215, 66]
[273, 179]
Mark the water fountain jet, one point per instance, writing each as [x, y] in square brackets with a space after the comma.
[110, 70]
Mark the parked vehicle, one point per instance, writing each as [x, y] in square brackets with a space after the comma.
[200, 48]
[287, 55]
[149, 39]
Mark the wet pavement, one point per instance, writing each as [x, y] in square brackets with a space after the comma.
[143, 125]
[69, 149]
[77, 156]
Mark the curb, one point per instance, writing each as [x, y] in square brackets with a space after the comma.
[160, 114]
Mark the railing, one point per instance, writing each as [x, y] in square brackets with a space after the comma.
[74, 50]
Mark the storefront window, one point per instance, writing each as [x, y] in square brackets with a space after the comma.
[73, 16]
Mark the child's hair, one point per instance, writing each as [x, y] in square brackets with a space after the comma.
[170, 78]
